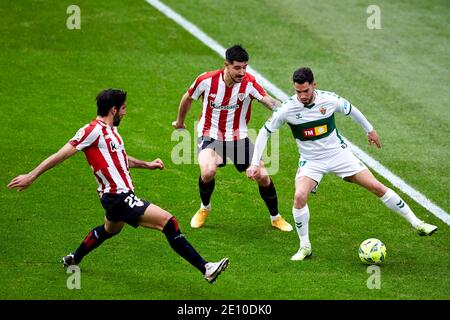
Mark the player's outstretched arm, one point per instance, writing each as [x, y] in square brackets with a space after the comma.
[358, 117]
[185, 105]
[25, 180]
[270, 103]
[136, 163]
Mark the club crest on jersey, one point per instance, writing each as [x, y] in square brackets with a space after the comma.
[241, 96]
[212, 95]
[322, 110]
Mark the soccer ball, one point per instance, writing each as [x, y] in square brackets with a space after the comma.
[372, 251]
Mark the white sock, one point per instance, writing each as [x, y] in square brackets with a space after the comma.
[393, 201]
[273, 218]
[301, 218]
[208, 207]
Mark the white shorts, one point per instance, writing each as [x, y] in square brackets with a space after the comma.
[344, 164]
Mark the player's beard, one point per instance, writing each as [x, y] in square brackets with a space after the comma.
[116, 121]
[307, 102]
[310, 100]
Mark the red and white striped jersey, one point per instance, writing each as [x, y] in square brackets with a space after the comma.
[226, 111]
[105, 153]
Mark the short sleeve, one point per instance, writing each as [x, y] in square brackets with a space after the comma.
[343, 105]
[257, 91]
[85, 137]
[198, 87]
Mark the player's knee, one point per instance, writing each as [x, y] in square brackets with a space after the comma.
[263, 180]
[114, 233]
[300, 198]
[110, 231]
[208, 173]
[170, 226]
[377, 188]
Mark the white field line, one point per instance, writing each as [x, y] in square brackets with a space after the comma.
[279, 94]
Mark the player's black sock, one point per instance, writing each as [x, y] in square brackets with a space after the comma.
[92, 241]
[269, 195]
[181, 246]
[206, 190]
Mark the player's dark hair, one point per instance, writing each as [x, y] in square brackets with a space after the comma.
[303, 75]
[236, 53]
[109, 98]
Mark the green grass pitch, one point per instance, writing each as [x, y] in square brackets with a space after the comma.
[398, 76]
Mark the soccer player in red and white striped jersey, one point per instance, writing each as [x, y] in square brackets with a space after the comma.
[227, 96]
[105, 153]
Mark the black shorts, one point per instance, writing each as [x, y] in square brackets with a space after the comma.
[239, 151]
[124, 207]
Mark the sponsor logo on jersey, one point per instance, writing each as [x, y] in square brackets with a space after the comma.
[115, 147]
[316, 131]
[220, 107]
[322, 110]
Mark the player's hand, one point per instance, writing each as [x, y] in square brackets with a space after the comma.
[372, 137]
[253, 172]
[178, 125]
[156, 164]
[21, 182]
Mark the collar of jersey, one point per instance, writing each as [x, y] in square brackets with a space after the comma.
[309, 106]
[101, 122]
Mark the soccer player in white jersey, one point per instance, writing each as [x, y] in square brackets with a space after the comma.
[227, 95]
[310, 114]
[105, 153]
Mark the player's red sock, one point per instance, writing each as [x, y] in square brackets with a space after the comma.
[92, 241]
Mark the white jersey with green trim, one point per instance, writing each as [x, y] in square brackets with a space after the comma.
[313, 125]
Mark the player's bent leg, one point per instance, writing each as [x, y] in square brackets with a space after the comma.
[157, 218]
[112, 227]
[366, 179]
[208, 161]
[392, 200]
[93, 240]
[303, 187]
[268, 193]
[154, 217]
